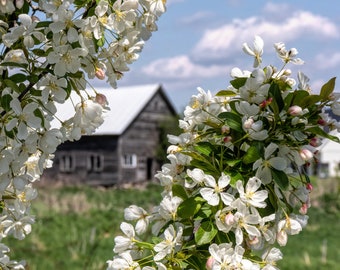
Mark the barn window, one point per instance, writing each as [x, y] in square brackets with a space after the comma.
[67, 163]
[130, 160]
[95, 163]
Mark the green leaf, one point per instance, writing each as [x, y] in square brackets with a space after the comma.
[189, 207]
[179, 191]
[204, 148]
[232, 163]
[18, 78]
[277, 103]
[319, 131]
[40, 52]
[327, 89]
[33, 79]
[43, 24]
[298, 97]
[144, 245]
[5, 102]
[204, 212]
[2, 206]
[13, 64]
[226, 93]
[280, 178]
[234, 177]
[238, 82]
[39, 114]
[234, 121]
[251, 155]
[310, 100]
[205, 233]
[196, 262]
[196, 156]
[11, 85]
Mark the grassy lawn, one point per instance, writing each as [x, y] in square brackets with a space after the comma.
[75, 228]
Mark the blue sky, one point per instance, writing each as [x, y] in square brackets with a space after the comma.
[198, 42]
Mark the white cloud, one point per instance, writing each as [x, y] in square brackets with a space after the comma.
[327, 61]
[224, 41]
[181, 67]
[276, 8]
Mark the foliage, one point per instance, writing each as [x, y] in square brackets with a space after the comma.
[235, 187]
[50, 50]
[168, 126]
[92, 217]
[75, 225]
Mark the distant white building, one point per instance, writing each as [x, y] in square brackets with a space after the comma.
[329, 159]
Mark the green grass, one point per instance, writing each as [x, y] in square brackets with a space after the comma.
[75, 228]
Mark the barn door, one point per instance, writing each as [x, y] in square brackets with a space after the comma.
[149, 169]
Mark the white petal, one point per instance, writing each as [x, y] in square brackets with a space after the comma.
[127, 229]
[239, 186]
[270, 149]
[210, 181]
[227, 198]
[72, 35]
[247, 49]
[239, 236]
[25, 19]
[223, 181]
[278, 163]
[209, 195]
[253, 184]
[258, 45]
[252, 230]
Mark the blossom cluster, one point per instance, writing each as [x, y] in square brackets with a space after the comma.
[235, 186]
[50, 50]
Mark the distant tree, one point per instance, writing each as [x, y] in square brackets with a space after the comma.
[168, 126]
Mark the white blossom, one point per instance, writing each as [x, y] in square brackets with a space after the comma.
[214, 191]
[172, 241]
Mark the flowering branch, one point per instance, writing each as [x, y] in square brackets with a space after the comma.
[50, 49]
[234, 187]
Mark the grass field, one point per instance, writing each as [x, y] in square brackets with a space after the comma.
[75, 228]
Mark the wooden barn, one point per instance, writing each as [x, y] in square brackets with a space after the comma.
[123, 149]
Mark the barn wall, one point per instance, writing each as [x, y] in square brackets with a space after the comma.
[142, 139]
[92, 160]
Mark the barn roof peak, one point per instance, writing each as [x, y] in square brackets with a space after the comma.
[125, 104]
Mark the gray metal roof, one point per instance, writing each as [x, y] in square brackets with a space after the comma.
[125, 104]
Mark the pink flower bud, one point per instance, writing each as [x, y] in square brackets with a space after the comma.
[100, 74]
[303, 209]
[315, 142]
[227, 139]
[225, 129]
[19, 3]
[295, 110]
[305, 154]
[248, 123]
[229, 219]
[101, 99]
[253, 241]
[210, 262]
[266, 102]
[322, 122]
[309, 187]
[282, 238]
